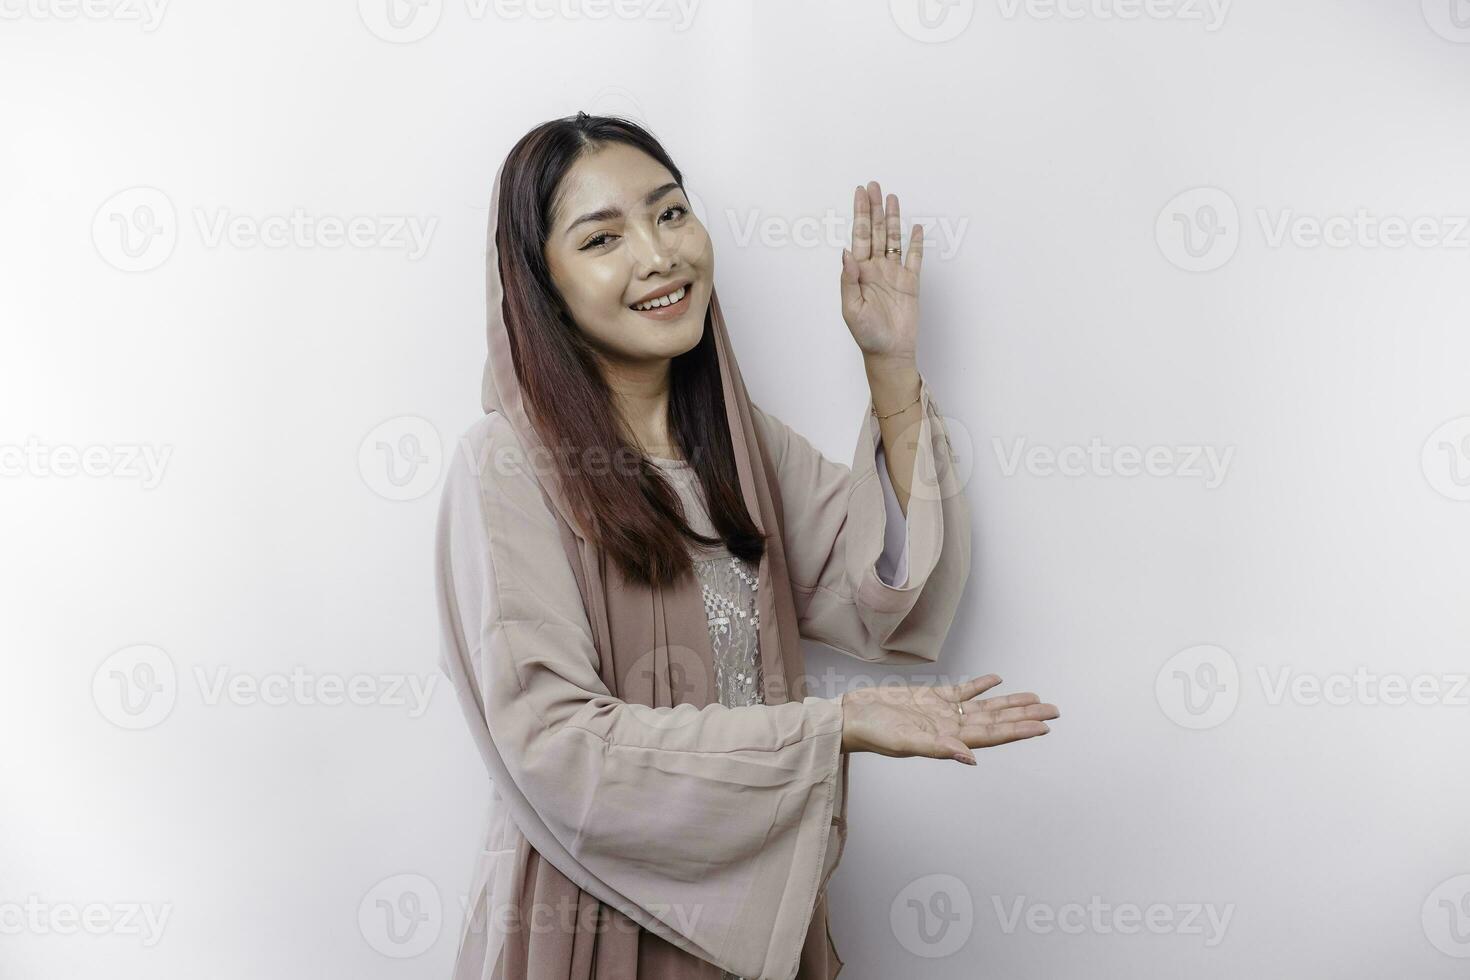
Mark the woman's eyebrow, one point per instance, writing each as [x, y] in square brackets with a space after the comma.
[603, 214]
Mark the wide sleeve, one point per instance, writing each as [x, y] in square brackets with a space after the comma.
[893, 563]
[835, 524]
[709, 827]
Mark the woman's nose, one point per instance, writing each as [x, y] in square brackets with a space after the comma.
[656, 249]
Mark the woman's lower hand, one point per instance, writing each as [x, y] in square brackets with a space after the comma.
[899, 720]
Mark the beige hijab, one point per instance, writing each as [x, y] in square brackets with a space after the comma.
[628, 620]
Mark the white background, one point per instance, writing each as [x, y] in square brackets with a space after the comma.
[1045, 148]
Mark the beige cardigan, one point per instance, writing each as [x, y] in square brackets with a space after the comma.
[622, 797]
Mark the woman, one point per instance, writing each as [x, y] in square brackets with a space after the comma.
[629, 552]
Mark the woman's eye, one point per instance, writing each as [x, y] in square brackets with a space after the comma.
[596, 241]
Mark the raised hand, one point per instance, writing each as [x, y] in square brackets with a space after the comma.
[880, 292]
[899, 721]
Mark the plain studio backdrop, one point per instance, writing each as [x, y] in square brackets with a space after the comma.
[1194, 301]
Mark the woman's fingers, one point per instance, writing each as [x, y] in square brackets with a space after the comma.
[862, 225]
[985, 736]
[1026, 712]
[1005, 701]
[915, 259]
[895, 225]
[965, 690]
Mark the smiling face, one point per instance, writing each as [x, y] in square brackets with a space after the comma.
[622, 231]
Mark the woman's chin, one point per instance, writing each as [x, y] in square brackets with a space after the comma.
[670, 338]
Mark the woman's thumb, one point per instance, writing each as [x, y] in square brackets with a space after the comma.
[953, 748]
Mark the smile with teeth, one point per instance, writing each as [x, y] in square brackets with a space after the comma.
[667, 300]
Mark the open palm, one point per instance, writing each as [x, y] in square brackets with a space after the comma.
[898, 720]
[880, 291]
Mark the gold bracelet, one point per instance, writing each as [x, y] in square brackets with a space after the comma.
[901, 410]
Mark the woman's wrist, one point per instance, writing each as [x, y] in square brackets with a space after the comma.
[893, 380]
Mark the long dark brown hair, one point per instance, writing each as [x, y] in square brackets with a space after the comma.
[625, 506]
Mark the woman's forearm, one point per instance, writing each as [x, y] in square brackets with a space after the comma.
[894, 384]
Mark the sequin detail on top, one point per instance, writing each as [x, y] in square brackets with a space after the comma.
[730, 585]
